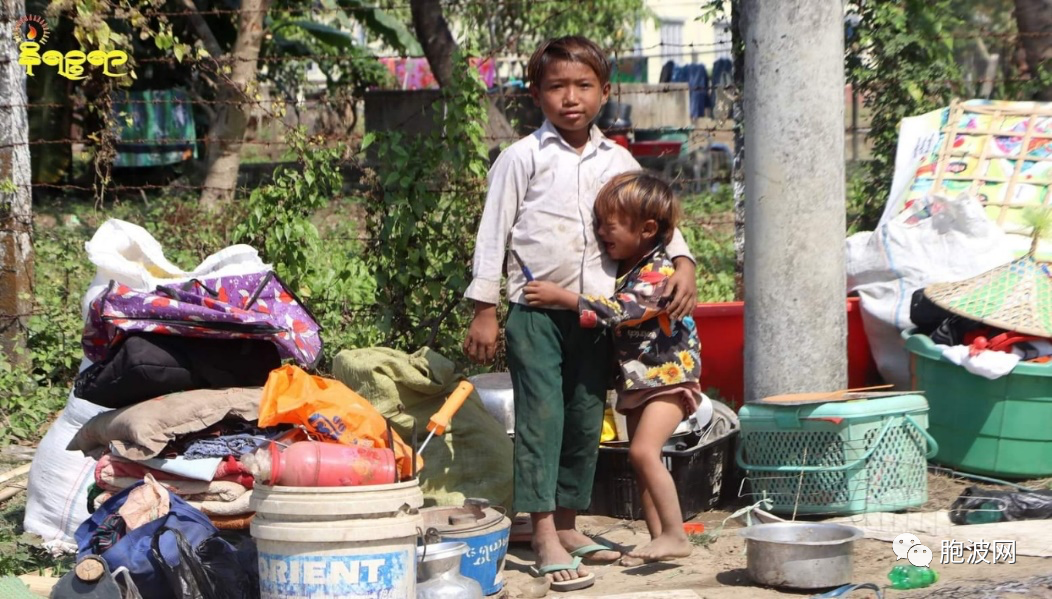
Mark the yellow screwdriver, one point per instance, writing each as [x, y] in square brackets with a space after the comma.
[440, 420]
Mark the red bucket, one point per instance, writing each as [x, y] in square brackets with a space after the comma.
[655, 149]
[721, 330]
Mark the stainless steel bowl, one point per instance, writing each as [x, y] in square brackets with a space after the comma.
[800, 555]
[497, 396]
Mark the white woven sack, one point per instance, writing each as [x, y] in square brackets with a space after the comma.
[57, 499]
[940, 241]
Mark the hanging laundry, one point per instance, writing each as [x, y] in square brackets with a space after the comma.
[156, 128]
[415, 73]
[666, 72]
[696, 76]
[698, 80]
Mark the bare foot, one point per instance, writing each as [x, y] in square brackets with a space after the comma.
[550, 552]
[572, 539]
[665, 547]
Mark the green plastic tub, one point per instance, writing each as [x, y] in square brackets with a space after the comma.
[847, 457]
[1000, 427]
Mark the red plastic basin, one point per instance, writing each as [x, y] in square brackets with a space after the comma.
[721, 330]
[655, 149]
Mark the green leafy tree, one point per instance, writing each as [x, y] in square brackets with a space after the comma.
[1034, 18]
[902, 63]
[519, 26]
[330, 276]
[223, 48]
[428, 193]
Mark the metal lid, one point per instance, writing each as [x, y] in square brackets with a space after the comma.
[492, 380]
[453, 519]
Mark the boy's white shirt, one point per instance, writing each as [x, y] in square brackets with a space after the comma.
[540, 201]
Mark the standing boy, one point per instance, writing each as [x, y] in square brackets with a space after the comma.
[539, 209]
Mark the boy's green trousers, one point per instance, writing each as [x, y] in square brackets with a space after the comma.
[560, 374]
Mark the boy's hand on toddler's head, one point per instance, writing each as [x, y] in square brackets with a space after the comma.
[545, 293]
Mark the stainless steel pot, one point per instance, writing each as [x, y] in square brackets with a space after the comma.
[438, 573]
[494, 389]
[800, 555]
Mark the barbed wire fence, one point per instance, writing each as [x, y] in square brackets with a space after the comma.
[661, 112]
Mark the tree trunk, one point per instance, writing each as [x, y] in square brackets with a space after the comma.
[227, 133]
[16, 198]
[435, 38]
[1034, 21]
[432, 31]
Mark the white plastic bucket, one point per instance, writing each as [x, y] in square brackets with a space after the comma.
[337, 542]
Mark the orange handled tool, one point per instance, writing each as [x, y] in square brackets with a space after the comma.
[440, 419]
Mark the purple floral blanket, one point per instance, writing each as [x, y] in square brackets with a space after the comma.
[251, 306]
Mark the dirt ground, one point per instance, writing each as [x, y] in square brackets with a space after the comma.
[718, 571]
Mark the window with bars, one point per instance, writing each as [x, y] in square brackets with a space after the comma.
[671, 38]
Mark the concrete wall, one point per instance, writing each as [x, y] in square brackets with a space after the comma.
[408, 111]
[655, 106]
[413, 112]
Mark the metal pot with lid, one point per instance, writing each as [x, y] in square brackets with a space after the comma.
[484, 529]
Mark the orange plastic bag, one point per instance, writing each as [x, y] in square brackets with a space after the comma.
[329, 410]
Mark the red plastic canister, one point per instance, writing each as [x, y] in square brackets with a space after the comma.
[315, 464]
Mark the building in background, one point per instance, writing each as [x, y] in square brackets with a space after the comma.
[677, 33]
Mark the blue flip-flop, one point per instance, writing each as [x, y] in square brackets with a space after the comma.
[561, 586]
[847, 588]
[584, 551]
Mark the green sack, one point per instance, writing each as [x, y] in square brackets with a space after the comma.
[474, 456]
[13, 588]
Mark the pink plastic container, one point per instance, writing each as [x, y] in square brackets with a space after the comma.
[314, 464]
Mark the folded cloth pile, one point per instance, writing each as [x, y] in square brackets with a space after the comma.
[226, 494]
[189, 442]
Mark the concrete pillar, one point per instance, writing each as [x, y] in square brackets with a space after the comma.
[795, 318]
[16, 211]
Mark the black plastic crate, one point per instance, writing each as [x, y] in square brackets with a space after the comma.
[705, 477]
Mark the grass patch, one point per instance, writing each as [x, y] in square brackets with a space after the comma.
[702, 540]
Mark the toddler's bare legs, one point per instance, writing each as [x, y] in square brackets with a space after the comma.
[650, 427]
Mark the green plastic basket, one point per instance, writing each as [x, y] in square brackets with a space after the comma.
[846, 457]
[1000, 427]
